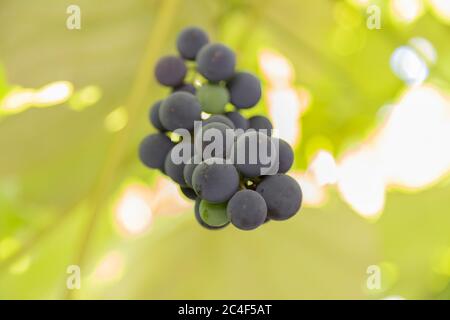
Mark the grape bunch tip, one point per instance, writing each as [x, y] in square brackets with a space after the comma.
[226, 189]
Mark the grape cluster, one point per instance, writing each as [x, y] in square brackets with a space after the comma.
[224, 191]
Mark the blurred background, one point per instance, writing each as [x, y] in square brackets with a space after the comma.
[366, 106]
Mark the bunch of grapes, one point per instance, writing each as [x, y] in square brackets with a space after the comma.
[224, 191]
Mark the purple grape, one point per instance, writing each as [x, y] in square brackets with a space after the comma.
[282, 194]
[188, 192]
[245, 90]
[154, 149]
[154, 116]
[216, 140]
[215, 181]
[261, 123]
[170, 71]
[175, 169]
[254, 154]
[185, 87]
[219, 118]
[238, 120]
[247, 210]
[189, 170]
[180, 110]
[285, 156]
[216, 62]
[190, 41]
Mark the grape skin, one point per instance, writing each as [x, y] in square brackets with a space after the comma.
[154, 149]
[245, 90]
[176, 171]
[185, 87]
[216, 62]
[219, 118]
[199, 219]
[242, 156]
[213, 98]
[282, 194]
[261, 123]
[238, 120]
[215, 182]
[188, 171]
[170, 71]
[221, 129]
[154, 116]
[188, 192]
[180, 110]
[190, 41]
[214, 214]
[285, 156]
[247, 210]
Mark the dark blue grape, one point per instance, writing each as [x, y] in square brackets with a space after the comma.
[170, 71]
[188, 192]
[176, 159]
[245, 90]
[216, 140]
[154, 149]
[261, 123]
[238, 120]
[216, 62]
[180, 110]
[247, 210]
[190, 41]
[199, 218]
[185, 87]
[215, 181]
[219, 118]
[189, 170]
[174, 171]
[282, 194]
[254, 154]
[285, 156]
[154, 116]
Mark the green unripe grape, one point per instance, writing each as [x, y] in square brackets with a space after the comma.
[213, 98]
[214, 214]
